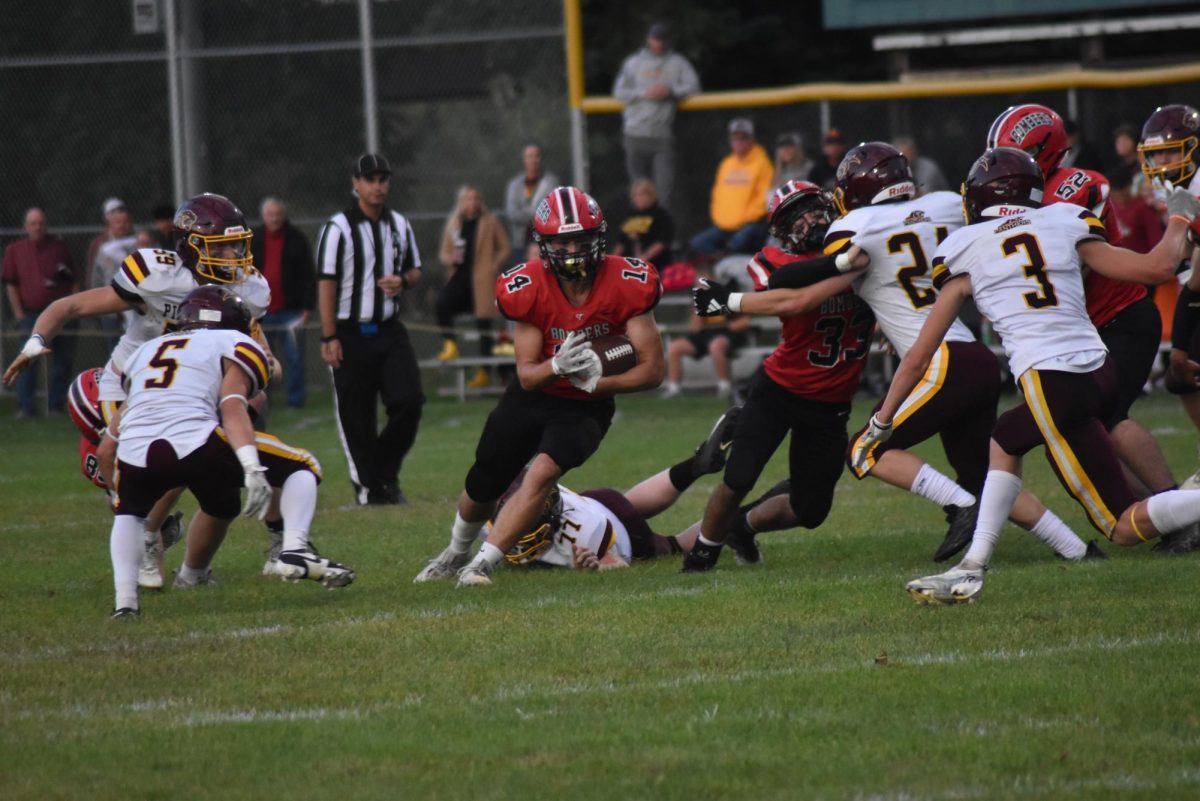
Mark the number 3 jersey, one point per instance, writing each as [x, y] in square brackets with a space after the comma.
[623, 289]
[1025, 276]
[900, 238]
[823, 351]
[173, 383]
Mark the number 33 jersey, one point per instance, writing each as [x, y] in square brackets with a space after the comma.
[1025, 276]
[173, 384]
[900, 238]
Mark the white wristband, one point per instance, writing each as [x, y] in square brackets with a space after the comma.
[33, 346]
[248, 456]
[735, 301]
[235, 396]
[842, 262]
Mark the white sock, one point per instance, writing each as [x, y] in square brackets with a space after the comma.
[933, 486]
[672, 386]
[703, 540]
[488, 554]
[1174, 509]
[1051, 530]
[462, 534]
[298, 504]
[191, 573]
[152, 536]
[1000, 492]
[125, 546]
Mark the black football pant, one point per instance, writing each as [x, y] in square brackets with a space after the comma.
[376, 367]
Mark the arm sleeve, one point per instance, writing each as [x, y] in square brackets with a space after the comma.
[799, 274]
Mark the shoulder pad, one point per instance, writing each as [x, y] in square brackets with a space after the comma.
[517, 289]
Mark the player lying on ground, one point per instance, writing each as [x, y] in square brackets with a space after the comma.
[1022, 263]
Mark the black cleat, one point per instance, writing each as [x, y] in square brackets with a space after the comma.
[741, 541]
[962, 529]
[125, 613]
[701, 558]
[711, 454]
[1185, 540]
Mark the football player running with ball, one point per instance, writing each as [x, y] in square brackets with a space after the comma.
[561, 406]
[1022, 262]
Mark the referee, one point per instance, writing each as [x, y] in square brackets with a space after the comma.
[366, 258]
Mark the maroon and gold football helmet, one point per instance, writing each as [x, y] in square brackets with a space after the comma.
[870, 173]
[1002, 182]
[569, 228]
[799, 216]
[212, 238]
[212, 306]
[1038, 130]
[1168, 147]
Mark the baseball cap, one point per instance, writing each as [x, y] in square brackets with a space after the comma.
[833, 135]
[112, 204]
[369, 163]
[659, 30]
[741, 125]
[789, 138]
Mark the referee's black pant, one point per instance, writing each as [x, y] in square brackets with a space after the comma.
[375, 366]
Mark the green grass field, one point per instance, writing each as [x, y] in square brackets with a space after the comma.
[811, 677]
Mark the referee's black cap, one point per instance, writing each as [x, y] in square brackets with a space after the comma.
[370, 163]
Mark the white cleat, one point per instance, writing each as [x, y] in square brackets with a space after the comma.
[150, 571]
[958, 585]
[299, 565]
[274, 547]
[1192, 482]
[476, 574]
[443, 566]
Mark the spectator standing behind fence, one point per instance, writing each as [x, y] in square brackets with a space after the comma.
[522, 193]
[109, 209]
[284, 257]
[651, 83]
[926, 172]
[367, 257]
[37, 271]
[474, 249]
[648, 231]
[738, 206]
[824, 171]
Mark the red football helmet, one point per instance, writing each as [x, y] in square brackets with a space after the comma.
[83, 404]
[870, 173]
[213, 307]
[800, 213]
[1003, 181]
[1037, 130]
[212, 238]
[569, 229]
[1168, 148]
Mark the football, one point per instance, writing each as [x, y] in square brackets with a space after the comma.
[615, 352]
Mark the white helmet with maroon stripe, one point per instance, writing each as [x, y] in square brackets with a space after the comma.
[569, 229]
[83, 403]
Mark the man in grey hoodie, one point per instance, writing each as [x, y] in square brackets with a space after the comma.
[651, 83]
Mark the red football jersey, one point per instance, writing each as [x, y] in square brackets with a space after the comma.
[823, 351]
[529, 293]
[1105, 296]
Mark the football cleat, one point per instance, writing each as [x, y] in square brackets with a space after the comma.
[298, 565]
[1090, 554]
[962, 529]
[150, 572]
[206, 580]
[701, 558]
[711, 454]
[958, 585]
[740, 540]
[476, 574]
[1184, 540]
[443, 566]
[125, 613]
[1191, 482]
[274, 547]
[172, 530]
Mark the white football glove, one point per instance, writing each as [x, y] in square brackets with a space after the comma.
[573, 355]
[34, 347]
[258, 493]
[1180, 203]
[876, 433]
[587, 378]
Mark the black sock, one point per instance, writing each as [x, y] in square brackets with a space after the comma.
[274, 526]
[682, 475]
[741, 523]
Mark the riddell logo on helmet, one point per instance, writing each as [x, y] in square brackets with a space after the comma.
[1027, 124]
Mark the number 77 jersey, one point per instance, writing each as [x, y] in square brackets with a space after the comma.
[900, 238]
[1025, 276]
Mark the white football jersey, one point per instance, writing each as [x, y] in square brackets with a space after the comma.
[586, 523]
[173, 384]
[1025, 276]
[900, 238]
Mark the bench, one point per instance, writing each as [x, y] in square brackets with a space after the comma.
[459, 367]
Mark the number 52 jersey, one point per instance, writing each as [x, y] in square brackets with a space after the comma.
[1025, 276]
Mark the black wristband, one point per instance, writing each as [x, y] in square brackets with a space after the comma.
[330, 338]
[799, 274]
[1187, 317]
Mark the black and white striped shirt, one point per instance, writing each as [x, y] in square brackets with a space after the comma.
[357, 251]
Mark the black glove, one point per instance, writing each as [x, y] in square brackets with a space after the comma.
[710, 299]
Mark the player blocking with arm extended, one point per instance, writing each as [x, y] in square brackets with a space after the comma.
[185, 424]
[1022, 261]
[560, 408]
[803, 388]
